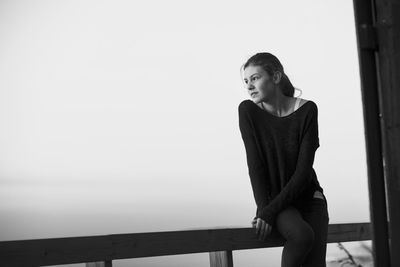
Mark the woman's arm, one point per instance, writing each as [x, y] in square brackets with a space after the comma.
[301, 178]
[256, 165]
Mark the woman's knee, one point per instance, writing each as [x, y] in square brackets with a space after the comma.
[294, 229]
[302, 236]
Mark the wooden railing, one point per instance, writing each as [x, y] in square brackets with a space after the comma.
[101, 250]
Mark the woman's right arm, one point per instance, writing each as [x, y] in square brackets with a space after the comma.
[256, 165]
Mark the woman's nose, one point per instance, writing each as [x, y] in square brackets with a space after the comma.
[250, 86]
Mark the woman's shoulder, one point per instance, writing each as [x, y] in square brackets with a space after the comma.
[310, 104]
[309, 110]
[245, 105]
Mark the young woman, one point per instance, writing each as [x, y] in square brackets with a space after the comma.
[280, 135]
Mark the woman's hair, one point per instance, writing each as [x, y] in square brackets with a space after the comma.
[271, 64]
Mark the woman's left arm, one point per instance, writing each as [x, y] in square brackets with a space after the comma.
[302, 175]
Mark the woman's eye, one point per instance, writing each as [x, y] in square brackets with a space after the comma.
[255, 78]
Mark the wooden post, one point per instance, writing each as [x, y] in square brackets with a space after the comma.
[367, 49]
[99, 264]
[388, 29]
[221, 258]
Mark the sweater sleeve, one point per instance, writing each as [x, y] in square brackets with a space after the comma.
[301, 177]
[255, 163]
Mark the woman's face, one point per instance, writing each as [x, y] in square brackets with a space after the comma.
[260, 85]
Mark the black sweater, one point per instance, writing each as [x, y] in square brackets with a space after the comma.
[280, 155]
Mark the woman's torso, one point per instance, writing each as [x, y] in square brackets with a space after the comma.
[298, 103]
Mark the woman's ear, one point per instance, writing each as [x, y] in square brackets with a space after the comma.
[277, 77]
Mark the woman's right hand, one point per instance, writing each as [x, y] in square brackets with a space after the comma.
[263, 229]
[254, 222]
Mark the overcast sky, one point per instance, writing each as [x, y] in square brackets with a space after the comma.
[121, 116]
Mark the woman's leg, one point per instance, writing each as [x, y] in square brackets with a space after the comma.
[298, 234]
[315, 213]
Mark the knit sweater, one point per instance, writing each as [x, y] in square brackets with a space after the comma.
[280, 155]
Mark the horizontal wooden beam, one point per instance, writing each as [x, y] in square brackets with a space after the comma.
[69, 250]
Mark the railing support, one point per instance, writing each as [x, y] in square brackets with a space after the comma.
[221, 258]
[99, 264]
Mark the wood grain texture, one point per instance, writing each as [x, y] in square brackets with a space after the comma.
[368, 48]
[388, 28]
[221, 259]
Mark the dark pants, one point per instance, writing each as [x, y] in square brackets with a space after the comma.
[304, 225]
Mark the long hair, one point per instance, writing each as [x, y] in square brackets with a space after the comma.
[271, 64]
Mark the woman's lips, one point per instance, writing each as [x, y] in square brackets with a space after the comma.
[253, 94]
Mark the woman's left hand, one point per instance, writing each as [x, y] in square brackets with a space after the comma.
[263, 229]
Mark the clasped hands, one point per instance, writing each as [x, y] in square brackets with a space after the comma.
[263, 229]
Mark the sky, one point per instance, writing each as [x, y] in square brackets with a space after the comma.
[121, 116]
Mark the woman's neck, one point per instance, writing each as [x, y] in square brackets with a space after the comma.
[280, 105]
